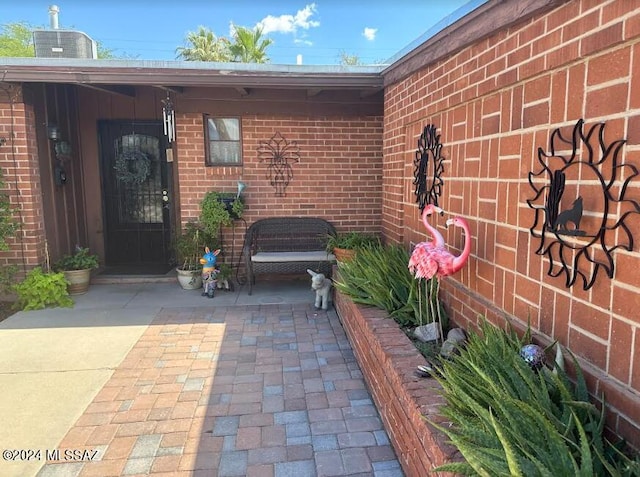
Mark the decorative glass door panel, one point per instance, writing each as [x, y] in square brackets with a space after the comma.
[135, 194]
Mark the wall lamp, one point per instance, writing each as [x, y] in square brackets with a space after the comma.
[53, 132]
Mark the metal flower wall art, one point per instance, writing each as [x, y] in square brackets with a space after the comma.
[581, 204]
[280, 154]
[428, 168]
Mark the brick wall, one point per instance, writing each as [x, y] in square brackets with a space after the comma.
[338, 177]
[388, 359]
[495, 103]
[19, 164]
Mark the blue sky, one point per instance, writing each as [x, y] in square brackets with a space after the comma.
[317, 29]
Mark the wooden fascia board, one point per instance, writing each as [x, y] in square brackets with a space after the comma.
[128, 91]
[184, 78]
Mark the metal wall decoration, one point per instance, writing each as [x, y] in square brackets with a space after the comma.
[280, 154]
[580, 204]
[428, 168]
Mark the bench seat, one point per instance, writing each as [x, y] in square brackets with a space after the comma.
[311, 256]
[285, 245]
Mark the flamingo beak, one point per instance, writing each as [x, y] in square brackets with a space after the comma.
[448, 222]
[439, 210]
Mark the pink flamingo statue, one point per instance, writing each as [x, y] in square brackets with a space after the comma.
[424, 258]
[458, 262]
[432, 260]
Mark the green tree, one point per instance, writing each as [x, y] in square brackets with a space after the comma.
[16, 40]
[349, 60]
[203, 45]
[105, 53]
[249, 46]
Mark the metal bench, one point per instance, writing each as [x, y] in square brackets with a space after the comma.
[286, 245]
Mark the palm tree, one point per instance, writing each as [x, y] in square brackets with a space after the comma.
[203, 45]
[248, 45]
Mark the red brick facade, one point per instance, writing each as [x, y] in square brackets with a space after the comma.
[338, 177]
[19, 164]
[494, 104]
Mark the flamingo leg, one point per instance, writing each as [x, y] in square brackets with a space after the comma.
[420, 302]
[434, 306]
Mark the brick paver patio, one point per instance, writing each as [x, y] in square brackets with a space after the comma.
[269, 390]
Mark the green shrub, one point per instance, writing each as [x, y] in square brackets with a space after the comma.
[80, 259]
[218, 209]
[40, 290]
[351, 240]
[8, 225]
[509, 420]
[379, 276]
[7, 272]
[189, 245]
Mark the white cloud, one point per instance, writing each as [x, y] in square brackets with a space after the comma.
[370, 33]
[290, 23]
[298, 41]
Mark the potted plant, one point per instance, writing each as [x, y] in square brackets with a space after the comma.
[77, 269]
[189, 247]
[218, 209]
[344, 245]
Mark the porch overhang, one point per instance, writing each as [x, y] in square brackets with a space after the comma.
[177, 75]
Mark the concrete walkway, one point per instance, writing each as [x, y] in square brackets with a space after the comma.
[150, 379]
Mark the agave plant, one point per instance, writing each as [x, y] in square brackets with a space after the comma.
[379, 276]
[509, 420]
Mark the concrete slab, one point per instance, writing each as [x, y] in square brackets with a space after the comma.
[37, 410]
[53, 362]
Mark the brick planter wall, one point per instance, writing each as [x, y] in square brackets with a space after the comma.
[495, 102]
[388, 359]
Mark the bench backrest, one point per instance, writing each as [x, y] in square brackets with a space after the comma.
[288, 234]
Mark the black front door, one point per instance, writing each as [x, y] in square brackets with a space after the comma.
[135, 196]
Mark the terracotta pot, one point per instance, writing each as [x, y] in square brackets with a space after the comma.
[189, 279]
[78, 281]
[344, 254]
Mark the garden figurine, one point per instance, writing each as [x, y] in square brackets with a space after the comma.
[209, 271]
[322, 286]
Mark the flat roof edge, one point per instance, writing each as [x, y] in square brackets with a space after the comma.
[472, 26]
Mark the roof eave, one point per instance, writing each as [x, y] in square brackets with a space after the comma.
[477, 24]
[176, 73]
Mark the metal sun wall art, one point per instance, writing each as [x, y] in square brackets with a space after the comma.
[280, 154]
[428, 168]
[580, 204]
